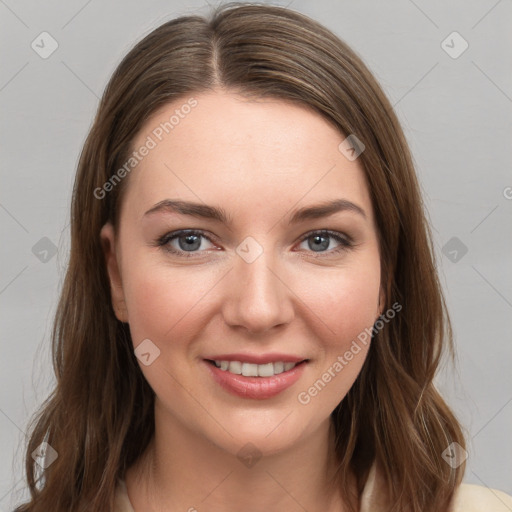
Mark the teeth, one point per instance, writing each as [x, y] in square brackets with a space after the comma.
[278, 367]
[255, 370]
[234, 367]
[249, 370]
[265, 370]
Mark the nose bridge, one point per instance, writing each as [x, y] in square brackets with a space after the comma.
[257, 297]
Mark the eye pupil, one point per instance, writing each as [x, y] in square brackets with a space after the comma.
[323, 245]
[190, 241]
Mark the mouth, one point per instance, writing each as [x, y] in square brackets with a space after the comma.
[255, 381]
[255, 370]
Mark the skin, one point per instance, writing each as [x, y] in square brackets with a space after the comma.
[260, 160]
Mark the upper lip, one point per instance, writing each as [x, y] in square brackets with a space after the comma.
[257, 358]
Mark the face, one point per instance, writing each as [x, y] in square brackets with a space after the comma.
[261, 283]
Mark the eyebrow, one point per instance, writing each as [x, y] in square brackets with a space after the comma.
[219, 214]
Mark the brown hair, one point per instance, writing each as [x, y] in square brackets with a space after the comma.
[99, 418]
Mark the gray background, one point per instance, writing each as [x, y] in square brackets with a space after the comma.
[456, 113]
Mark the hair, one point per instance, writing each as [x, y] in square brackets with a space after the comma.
[99, 417]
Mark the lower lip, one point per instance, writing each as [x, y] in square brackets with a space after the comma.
[257, 388]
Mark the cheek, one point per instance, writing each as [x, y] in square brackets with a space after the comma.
[346, 305]
[357, 305]
[161, 302]
[345, 301]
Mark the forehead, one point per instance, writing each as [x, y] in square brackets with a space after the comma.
[222, 148]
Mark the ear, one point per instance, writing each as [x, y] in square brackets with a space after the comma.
[108, 242]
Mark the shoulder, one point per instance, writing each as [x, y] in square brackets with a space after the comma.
[467, 497]
[477, 498]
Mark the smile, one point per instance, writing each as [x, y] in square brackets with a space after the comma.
[255, 381]
[255, 370]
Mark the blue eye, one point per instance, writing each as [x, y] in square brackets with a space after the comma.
[190, 241]
[320, 241]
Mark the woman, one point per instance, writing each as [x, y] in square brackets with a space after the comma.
[251, 317]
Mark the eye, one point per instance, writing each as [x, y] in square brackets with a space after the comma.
[187, 241]
[318, 241]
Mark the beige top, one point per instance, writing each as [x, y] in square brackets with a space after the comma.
[468, 498]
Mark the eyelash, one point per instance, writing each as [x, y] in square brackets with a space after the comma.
[345, 242]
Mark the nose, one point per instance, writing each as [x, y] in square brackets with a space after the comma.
[257, 297]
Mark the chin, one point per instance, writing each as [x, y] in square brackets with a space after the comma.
[262, 438]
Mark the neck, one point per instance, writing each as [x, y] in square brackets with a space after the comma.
[182, 470]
